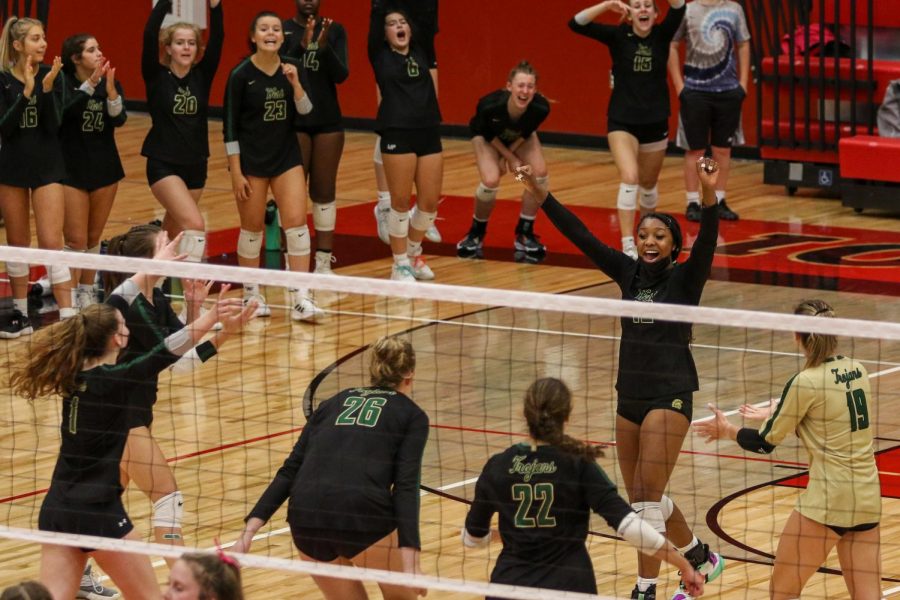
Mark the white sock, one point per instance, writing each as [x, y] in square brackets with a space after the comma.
[693, 197]
[413, 249]
[690, 546]
[644, 583]
[401, 260]
[21, 305]
[384, 199]
[251, 289]
[720, 195]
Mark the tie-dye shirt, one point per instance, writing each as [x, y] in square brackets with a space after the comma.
[711, 34]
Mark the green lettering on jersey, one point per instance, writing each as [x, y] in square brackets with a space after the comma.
[525, 494]
[361, 411]
[859, 410]
[412, 67]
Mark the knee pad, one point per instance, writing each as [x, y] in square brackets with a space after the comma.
[398, 223]
[249, 243]
[58, 274]
[627, 198]
[325, 216]
[421, 220]
[14, 269]
[297, 239]
[666, 507]
[651, 513]
[168, 511]
[376, 156]
[485, 194]
[193, 243]
[649, 198]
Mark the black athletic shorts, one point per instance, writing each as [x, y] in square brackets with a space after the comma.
[636, 409]
[420, 142]
[646, 133]
[325, 545]
[711, 117]
[105, 519]
[844, 530]
[194, 176]
[314, 130]
[286, 160]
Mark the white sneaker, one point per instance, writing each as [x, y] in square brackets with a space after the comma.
[323, 263]
[420, 269]
[91, 589]
[433, 235]
[402, 273]
[381, 220]
[306, 310]
[630, 249]
[262, 309]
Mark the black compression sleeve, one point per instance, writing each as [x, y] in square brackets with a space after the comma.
[610, 261]
[407, 477]
[336, 58]
[749, 439]
[280, 488]
[376, 31]
[150, 66]
[213, 54]
[478, 521]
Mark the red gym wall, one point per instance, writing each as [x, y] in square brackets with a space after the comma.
[478, 44]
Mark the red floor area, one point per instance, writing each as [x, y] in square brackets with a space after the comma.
[888, 467]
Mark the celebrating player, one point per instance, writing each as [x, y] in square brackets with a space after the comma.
[827, 406]
[504, 131]
[638, 112]
[657, 376]
[360, 455]
[93, 166]
[320, 45]
[262, 100]
[177, 145]
[544, 492]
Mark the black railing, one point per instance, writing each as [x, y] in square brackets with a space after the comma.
[39, 9]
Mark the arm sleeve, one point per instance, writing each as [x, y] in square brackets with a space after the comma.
[122, 116]
[335, 55]
[150, 66]
[194, 357]
[610, 261]
[213, 54]
[231, 113]
[672, 21]
[146, 365]
[280, 487]
[376, 32]
[596, 31]
[750, 439]
[407, 477]
[601, 495]
[478, 521]
[796, 399]
[698, 266]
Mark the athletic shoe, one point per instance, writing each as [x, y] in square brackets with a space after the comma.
[433, 235]
[262, 309]
[381, 221]
[650, 594]
[306, 310]
[91, 589]
[693, 212]
[528, 243]
[709, 564]
[17, 325]
[630, 249]
[82, 298]
[402, 273]
[323, 263]
[420, 269]
[470, 246]
[725, 213]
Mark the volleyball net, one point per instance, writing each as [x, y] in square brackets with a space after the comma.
[226, 426]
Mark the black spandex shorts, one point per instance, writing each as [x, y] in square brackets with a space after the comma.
[711, 118]
[420, 142]
[325, 545]
[314, 130]
[636, 409]
[194, 176]
[105, 519]
[844, 530]
[646, 133]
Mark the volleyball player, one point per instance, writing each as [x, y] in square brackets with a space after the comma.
[31, 162]
[93, 166]
[353, 479]
[638, 112]
[544, 491]
[504, 136]
[262, 100]
[423, 15]
[408, 121]
[205, 577]
[657, 376]
[320, 45]
[177, 145]
[27, 590]
[150, 319]
[76, 359]
[827, 406]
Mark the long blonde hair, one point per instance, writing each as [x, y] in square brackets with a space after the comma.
[15, 30]
[393, 360]
[166, 34]
[819, 346]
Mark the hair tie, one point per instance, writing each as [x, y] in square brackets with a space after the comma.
[821, 311]
[228, 560]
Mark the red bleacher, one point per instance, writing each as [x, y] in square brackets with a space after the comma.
[871, 158]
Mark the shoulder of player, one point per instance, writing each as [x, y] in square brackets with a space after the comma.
[242, 67]
[540, 103]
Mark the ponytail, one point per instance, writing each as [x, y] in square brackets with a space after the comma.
[818, 346]
[14, 30]
[548, 404]
[137, 242]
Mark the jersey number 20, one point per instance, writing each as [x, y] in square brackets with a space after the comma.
[525, 494]
[361, 411]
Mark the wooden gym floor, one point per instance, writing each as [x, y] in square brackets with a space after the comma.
[228, 426]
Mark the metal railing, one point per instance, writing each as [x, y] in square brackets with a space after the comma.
[39, 9]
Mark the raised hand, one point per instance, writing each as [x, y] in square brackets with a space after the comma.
[196, 290]
[98, 73]
[234, 320]
[306, 41]
[708, 172]
[111, 92]
[619, 7]
[167, 249]
[323, 35]
[28, 76]
[757, 413]
[50, 78]
[290, 71]
[717, 428]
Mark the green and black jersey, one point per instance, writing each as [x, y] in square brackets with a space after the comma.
[544, 497]
[492, 118]
[356, 467]
[323, 69]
